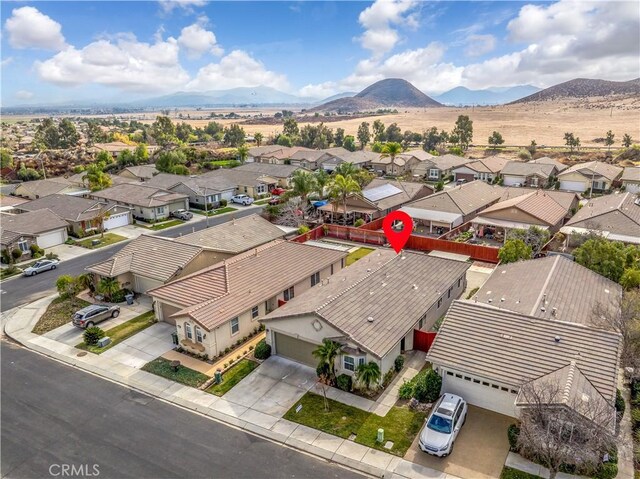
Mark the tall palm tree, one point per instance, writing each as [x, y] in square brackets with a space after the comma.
[258, 137]
[345, 169]
[108, 287]
[321, 180]
[303, 183]
[368, 374]
[243, 152]
[391, 149]
[340, 189]
[326, 354]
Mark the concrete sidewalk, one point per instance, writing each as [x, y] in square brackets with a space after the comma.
[20, 322]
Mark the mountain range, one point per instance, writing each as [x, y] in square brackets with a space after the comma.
[462, 96]
[583, 88]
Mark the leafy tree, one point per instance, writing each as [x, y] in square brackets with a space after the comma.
[284, 140]
[349, 143]
[92, 335]
[290, 127]
[376, 147]
[234, 135]
[571, 141]
[326, 354]
[605, 257]
[409, 138]
[391, 150]
[364, 135]
[630, 279]
[303, 183]
[66, 286]
[427, 387]
[68, 134]
[141, 154]
[393, 133]
[321, 179]
[626, 140]
[95, 178]
[168, 160]
[532, 147]
[368, 374]
[243, 152]
[609, 140]
[463, 130]
[47, 135]
[258, 137]
[338, 138]
[180, 170]
[27, 174]
[431, 139]
[214, 129]
[163, 130]
[439, 186]
[340, 189]
[534, 237]
[514, 250]
[6, 158]
[318, 137]
[126, 158]
[94, 133]
[345, 168]
[496, 139]
[378, 131]
[104, 158]
[108, 287]
[184, 132]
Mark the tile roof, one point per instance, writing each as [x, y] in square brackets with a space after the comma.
[32, 222]
[631, 174]
[143, 171]
[195, 183]
[545, 160]
[70, 208]
[153, 257]
[597, 168]
[449, 161]
[361, 156]
[394, 290]
[235, 236]
[275, 171]
[491, 164]
[218, 293]
[553, 282]
[520, 168]
[139, 194]
[514, 348]
[463, 199]
[42, 188]
[418, 154]
[566, 199]
[408, 191]
[615, 213]
[261, 150]
[238, 177]
[537, 203]
[11, 200]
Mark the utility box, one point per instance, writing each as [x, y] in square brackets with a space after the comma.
[102, 342]
[380, 438]
[218, 376]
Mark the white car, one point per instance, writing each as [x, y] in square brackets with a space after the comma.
[442, 426]
[40, 266]
[242, 199]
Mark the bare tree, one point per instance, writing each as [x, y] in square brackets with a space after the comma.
[558, 431]
[293, 215]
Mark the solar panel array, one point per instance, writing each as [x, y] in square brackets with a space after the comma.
[380, 192]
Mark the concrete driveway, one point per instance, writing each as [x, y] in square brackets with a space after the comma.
[143, 347]
[479, 451]
[274, 386]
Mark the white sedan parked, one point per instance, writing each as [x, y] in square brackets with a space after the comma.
[40, 266]
[242, 199]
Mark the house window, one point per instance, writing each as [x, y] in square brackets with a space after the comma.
[235, 326]
[449, 293]
[315, 278]
[534, 181]
[449, 373]
[254, 312]
[350, 363]
[187, 331]
[160, 210]
[24, 247]
[289, 294]
[434, 173]
[198, 334]
[439, 302]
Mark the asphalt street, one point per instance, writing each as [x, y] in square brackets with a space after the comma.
[54, 415]
[22, 290]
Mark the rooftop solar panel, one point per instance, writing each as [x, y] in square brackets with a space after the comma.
[380, 192]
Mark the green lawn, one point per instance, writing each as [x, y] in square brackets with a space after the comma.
[122, 331]
[188, 377]
[400, 425]
[59, 312]
[510, 473]
[232, 377]
[108, 239]
[226, 209]
[161, 226]
[4, 274]
[357, 254]
[225, 163]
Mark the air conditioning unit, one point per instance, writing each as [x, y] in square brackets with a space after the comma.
[102, 342]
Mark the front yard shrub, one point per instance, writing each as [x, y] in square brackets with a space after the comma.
[398, 364]
[118, 296]
[406, 390]
[428, 387]
[92, 335]
[263, 350]
[387, 378]
[620, 405]
[608, 470]
[36, 251]
[635, 418]
[303, 229]
[513, 431]
[16, 253]
[223, 203]
[344, 382]
[6, 256]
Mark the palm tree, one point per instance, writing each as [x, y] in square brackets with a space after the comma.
[326, 354]
[258, 137]
[108, 287]
[368, 374]
[340, 189]
[243, 152]
[321, 180]
[85, 281]
[391, 150]
[345, 169]
[303, 183]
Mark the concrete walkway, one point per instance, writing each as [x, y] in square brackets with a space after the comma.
[516, 461]
[20, 322]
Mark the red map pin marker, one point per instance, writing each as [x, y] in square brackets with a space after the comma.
[397, 238]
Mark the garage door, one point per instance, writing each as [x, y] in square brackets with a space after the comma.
[573, 185]
[142, 284]
[52, 239]
[480, 392]
[512, 180]
[632, 187]
[296, 349]
[115, 221]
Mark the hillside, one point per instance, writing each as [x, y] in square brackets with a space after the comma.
[491, 96]
[389, 93]
[583, 88]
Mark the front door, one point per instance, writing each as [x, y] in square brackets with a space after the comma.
[402, 344]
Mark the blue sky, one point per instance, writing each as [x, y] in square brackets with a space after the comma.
[59, 51]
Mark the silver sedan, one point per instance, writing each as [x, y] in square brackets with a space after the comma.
[40, 266]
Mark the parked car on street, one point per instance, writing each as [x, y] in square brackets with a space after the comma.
[242, 199]
[94, 314]
[277, 191]
[182, 214]
[40, 266]
[275, 200]
[442, 426]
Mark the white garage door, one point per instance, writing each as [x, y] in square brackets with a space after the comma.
[52, 238]
[142, 284]
[512, 180]
[480, 392]
[115, 221]
[632, 187]
[573, 186]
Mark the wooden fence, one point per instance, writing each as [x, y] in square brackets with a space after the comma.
[422, 340]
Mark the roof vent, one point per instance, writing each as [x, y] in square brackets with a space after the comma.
[490, 300]
[414, 286]
[543, 309]
[368, 270]
[557, 339]
[502, 300]
[554, 311]
[370, 319]
[475, 298]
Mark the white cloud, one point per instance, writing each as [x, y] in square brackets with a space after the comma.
[29, 28]
[123, 63]
[237, 69]
[24, 95]
[478, 45]
[377, 20]
[6, 61]
[168, 6]
[196, 40]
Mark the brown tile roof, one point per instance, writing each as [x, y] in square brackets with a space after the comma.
[70, 208]
[394, 290]
[153, 257]
[275, 171]
[615, 213]
[491, 164]
[418, 154]
[33, 222]
[408, 191]
[514, 348]
[463, 199]
[554, 282]
[361, 156]
[235, 236]
[538, 204]
[197, 184]
[113, 147]
[140, 195]
[520, 168]
[143, 171]
[449, 161]
[631, 174]
[11, 200]
[566, 199]
[594, 168]
[42, 188]
[545, 160]
[223, 291]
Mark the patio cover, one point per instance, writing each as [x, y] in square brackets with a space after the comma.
[350, 209]
[505, 224]
[454, 219]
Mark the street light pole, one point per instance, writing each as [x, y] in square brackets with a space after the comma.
[206, 207]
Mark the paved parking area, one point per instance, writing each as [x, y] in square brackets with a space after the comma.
[479, 451]
[143, 347]
[274, 386]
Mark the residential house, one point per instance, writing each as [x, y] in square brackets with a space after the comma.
[139, 172]
[246, 182]
[439, 167]
[280, 156]
[452, 207]
[362, 158]
[114, 148]
[42, 227]
[151, 261]
[148, 203]
[313, 159]
[219, 305]
[84, 216]
[631, 179]
[281, 173]
[377, 199]
[535, 175]
[593, 175]
[371, 308]
[487, 169]
[416, 157]
[255, 153]
[80, 179]
[569, 200]
[41, 188]
[545, 160]
[8, 203]
[527, 323]
[203, 190]
[615, 217]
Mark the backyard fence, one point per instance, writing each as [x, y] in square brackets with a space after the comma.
[422, 340]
